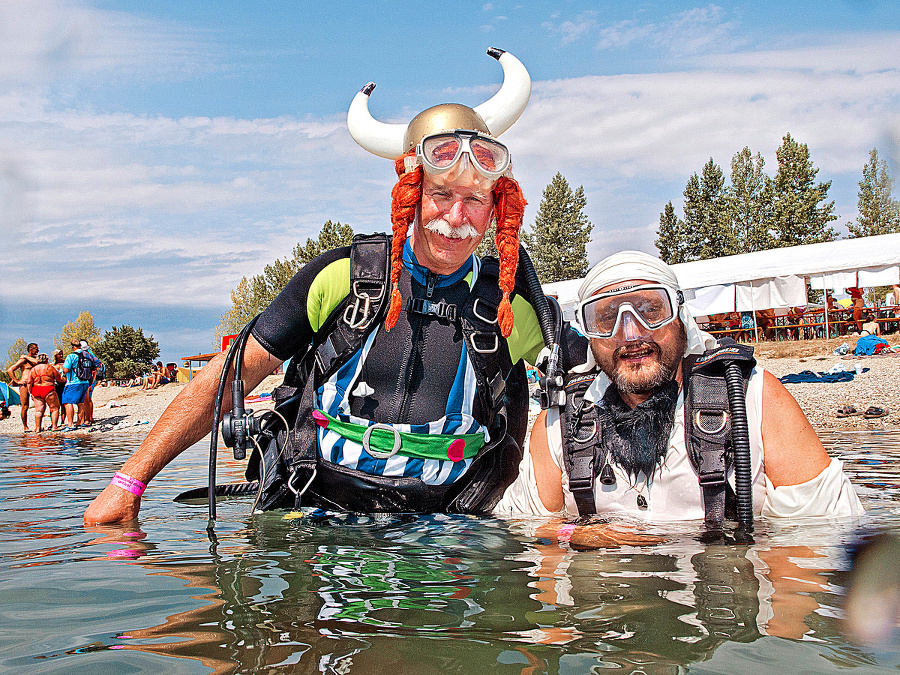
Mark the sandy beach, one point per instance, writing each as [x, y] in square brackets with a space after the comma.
[120, 410]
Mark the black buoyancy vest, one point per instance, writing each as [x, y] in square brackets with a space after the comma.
[707, 423]
[291, 466]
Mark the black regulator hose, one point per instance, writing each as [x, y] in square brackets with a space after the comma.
[734, 382]
[538, 299]
[236, 348]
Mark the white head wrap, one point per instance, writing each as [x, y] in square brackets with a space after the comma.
[631, 265]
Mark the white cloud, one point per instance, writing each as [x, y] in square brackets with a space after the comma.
[161, 210]
[55, 38]
[694, 31]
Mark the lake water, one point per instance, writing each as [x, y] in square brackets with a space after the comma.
[438, 594]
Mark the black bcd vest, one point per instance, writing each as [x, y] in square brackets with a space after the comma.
[707, 423]
[291, 468]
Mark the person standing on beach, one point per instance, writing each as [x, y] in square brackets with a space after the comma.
[623, 442]
[88, 395]
[42, 382]
[26, 362]
[426, 343]
[856, 297]
[76, 387]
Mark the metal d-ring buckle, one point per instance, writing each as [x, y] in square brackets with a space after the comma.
[478, 316]
[485, 351]
[366, 443]
[584, 439]
[697, 423]
[293, 479]
[353, 311]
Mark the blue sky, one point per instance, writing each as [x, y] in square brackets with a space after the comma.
[152, 153]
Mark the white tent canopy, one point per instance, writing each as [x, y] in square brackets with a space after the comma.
[775, 278]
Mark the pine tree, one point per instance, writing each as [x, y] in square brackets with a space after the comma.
[708, 231]
[748, 203]
[82, 328]
[126, 352]
[799, 216]
[671, 237]
[488, 243]
[879, 212]
[253, 295]
[558, 240]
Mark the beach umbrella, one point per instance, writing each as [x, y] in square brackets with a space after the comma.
[845, 303]
[10, 395]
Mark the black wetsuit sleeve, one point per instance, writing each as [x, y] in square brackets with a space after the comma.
[285, 327]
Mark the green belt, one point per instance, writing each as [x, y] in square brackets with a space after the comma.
[382, 440]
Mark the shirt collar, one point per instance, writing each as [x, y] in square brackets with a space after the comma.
[420, 273]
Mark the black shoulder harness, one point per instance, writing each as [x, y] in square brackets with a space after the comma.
[708, 420]
[707, 426]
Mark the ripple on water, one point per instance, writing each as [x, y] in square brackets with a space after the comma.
[465, 594]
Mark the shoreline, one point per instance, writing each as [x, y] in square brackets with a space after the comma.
[123, 410]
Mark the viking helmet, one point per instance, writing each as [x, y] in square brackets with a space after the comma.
[492, 117]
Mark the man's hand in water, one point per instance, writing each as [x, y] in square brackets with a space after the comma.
[113, 505]
[602, 535]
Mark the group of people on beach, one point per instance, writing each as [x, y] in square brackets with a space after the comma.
[64, 386]
[406, 390]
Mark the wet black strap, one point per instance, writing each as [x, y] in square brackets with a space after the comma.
[580, 428]
[486, 347]
[707, 422]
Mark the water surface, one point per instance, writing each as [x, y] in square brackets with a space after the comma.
[437, 594]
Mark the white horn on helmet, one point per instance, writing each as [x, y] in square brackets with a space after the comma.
[499, 112]
[502, 110]
[384, 140]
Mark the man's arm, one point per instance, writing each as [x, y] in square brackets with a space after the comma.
[187, 419]
[547, 475]
[793, 452]
[13, 368]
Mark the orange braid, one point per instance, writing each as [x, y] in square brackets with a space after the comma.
[404, 199]
[510, 208]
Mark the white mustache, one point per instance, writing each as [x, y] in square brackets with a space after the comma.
[441, 226]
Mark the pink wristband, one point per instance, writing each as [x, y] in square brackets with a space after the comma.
[565, 532]
[132, 485]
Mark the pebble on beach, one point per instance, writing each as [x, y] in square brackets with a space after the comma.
[120, 410]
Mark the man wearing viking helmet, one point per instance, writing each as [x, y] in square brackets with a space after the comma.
[405, 391]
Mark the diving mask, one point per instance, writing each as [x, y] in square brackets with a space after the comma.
[440, 152]
[653, 306]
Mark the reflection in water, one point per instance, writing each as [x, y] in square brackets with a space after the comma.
[437, 594]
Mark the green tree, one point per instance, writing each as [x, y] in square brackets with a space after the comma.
[253, 295]
[558, 240]
[879, 212]
[82, 328]
[672, 240]
[800, 213]
[748, 203]
[15, 351]
[126, 351]
[708, 230]
[488, 243]
[332, 235]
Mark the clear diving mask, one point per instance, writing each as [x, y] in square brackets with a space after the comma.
[438, 153]
[653, 306]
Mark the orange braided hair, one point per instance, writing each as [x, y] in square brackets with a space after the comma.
[405, 198]
[510, 207]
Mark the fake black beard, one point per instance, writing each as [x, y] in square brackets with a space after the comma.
[637, 439]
